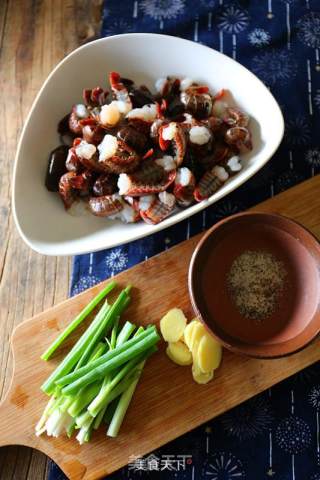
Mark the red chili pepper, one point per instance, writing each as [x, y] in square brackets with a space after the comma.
[95, 94]
[202, 89]
[148, 154]
[176, 85]
[220, 94]
[76, 141]
[86, 95]
[164, 105]
[158, 107]
[163, 144]
[97, 90]
[197, 195]
[165, 89]
[78, 182]
[114, 79]
[161, 108]
[178, 190]
[88, 121]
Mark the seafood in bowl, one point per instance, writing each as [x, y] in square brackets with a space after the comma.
[132, 154]
[39, 215]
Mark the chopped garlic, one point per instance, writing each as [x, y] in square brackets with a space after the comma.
[199, 135]
[107, 147]
[183, 177]
[188, 118]
[81, 111]
[185, 83]
[85, 150]
[123, 183]
[169, 132]
[167, 162]
[234, 164]
[110, 114]
[147, 113]
[124, 106]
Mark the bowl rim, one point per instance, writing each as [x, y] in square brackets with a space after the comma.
[256, 352]
[68, 248]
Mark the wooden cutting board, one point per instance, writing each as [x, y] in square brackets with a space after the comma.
[167, 402]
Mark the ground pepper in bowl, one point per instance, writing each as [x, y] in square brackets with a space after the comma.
[255, 283]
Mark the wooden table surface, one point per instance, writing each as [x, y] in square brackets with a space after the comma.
[35, 35]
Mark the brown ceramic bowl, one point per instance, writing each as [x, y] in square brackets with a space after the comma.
[295, 321]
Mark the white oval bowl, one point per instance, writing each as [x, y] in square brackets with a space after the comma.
[40, 216]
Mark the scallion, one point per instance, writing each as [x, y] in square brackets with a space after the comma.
[122, 406]
[77, 321]
[75, 375]
[116, 361]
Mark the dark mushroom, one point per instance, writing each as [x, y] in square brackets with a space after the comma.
[56, 167]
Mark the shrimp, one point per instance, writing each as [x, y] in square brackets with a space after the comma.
[184, 186]
[151, 178]
[120, 93]
[211, 181]
[160, 209]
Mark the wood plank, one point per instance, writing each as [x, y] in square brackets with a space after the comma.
[34, 36]
[157, 414]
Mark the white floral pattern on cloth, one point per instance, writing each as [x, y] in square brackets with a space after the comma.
[309, 29]
[84, 283]
[313, 157]
[162, 9]
[259, 37]
[297, 131]
[224, 209]
[119, 26]
[208, 3]
[293, 435]
[287, 180]
[275, 66]
[233, 19]
[317, 99]
[249, 420]
[223, 465]
[314, 397]
[116, 260]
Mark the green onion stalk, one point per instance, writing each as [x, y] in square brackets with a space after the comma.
[77, 321]
[103, 321]
[96, 380]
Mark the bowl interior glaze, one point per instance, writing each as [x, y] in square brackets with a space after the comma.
[296, 319]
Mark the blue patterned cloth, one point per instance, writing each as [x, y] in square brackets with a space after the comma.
[276, 434]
